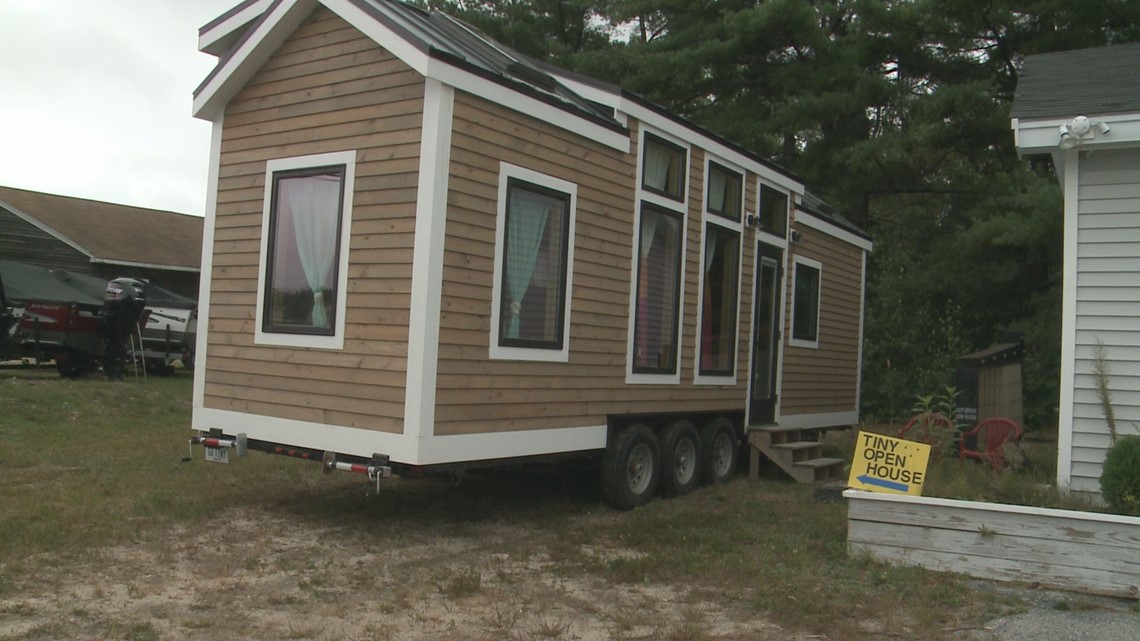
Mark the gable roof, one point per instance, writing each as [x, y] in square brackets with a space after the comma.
[1100, 81]
[111, 233]
[432, 43]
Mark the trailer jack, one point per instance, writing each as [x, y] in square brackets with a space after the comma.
[376, 469]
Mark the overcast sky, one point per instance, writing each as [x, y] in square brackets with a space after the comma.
[95, 99]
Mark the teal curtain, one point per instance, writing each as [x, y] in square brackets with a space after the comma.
[526, 225]
[717, 187]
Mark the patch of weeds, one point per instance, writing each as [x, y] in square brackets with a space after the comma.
[1062, 606]
[302, 633]
[464, 583]
[548, 628]
[503, 618]
[141, 632]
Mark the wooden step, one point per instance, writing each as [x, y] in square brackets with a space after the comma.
[820, 469]
[796, 450]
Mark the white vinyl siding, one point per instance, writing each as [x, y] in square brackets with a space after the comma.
[1107, 305]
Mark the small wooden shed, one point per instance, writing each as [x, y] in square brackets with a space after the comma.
[421, 244]
[1082, 108]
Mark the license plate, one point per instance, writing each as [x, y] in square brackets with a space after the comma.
[217, 454]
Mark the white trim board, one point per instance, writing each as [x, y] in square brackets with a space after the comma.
[1071, 184]
[203, 326]
[427, 260]
[399, 447]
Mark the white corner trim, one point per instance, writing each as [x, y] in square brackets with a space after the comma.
[283, 339]
[427, 260]
[792, 340]
[831, 229]
[208, 225]
[1071, 186]
[508, 171]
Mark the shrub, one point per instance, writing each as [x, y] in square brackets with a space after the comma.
[1120, 476]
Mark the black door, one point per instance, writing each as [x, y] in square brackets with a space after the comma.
[765, 337]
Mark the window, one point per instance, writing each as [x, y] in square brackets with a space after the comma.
[724, 192]
[773, 211]
[307, 215]
[718, 304]
[658, 290]
[533, 255]
[805, 303]
[663, 168]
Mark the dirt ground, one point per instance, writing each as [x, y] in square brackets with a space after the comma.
[256, 575]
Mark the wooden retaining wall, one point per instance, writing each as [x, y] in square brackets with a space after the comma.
[1078, 551]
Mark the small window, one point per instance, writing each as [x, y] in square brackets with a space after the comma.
[658, 292]
[805, 303]
[306, 220]
[773, 211]
[534, 258]
[301, 291]
[718, 305]
[532, 311]
[724, 192]
[663, 168]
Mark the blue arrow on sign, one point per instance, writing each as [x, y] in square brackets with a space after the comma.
[890, 485]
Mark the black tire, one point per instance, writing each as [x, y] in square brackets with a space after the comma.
[631, 467]
[681, 459]
[720, 450]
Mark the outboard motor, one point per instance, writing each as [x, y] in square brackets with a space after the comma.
[123, 303]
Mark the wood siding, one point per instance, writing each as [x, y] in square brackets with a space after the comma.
[824, 380]
[1107, 305]
[475, 394]
[327, 88]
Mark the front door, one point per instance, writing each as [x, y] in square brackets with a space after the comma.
[765, 337]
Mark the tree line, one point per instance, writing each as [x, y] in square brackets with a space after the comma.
[895, 112]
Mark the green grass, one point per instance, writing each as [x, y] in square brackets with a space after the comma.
[91, 463]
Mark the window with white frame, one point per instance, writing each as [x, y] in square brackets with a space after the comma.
[724, 191]
[773, 211]
[805, 302]
[306, 218]
[533, 258]
[658, 291]
[663, 168]
[719, 301]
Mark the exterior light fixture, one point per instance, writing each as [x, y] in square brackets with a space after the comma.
[1080, 129]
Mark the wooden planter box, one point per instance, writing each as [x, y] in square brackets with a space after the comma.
[1078, 551]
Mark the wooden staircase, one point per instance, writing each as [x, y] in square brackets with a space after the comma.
[796, 450]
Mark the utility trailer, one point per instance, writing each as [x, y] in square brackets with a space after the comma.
[423, 251]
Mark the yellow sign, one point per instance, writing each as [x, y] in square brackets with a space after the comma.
[887, 464]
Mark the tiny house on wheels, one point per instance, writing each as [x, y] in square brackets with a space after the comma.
[424, 251]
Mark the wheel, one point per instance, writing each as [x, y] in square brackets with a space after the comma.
[631, 467]
[680, 459]
[73, 364]
[719, 449]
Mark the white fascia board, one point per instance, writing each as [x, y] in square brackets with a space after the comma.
[244, 62]
[208, 225]
[1068, 321]
[498, 445]
[427, 260]
[399, 447]
[831, 229]
[315, 436]
[209, 39]
[1044, 135]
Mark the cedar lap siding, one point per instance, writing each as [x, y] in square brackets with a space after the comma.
[329, 88]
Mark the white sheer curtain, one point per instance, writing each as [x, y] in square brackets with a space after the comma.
[313, 202]
[656, 167]
[718, 185]
[526, 226]
[650, 222]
